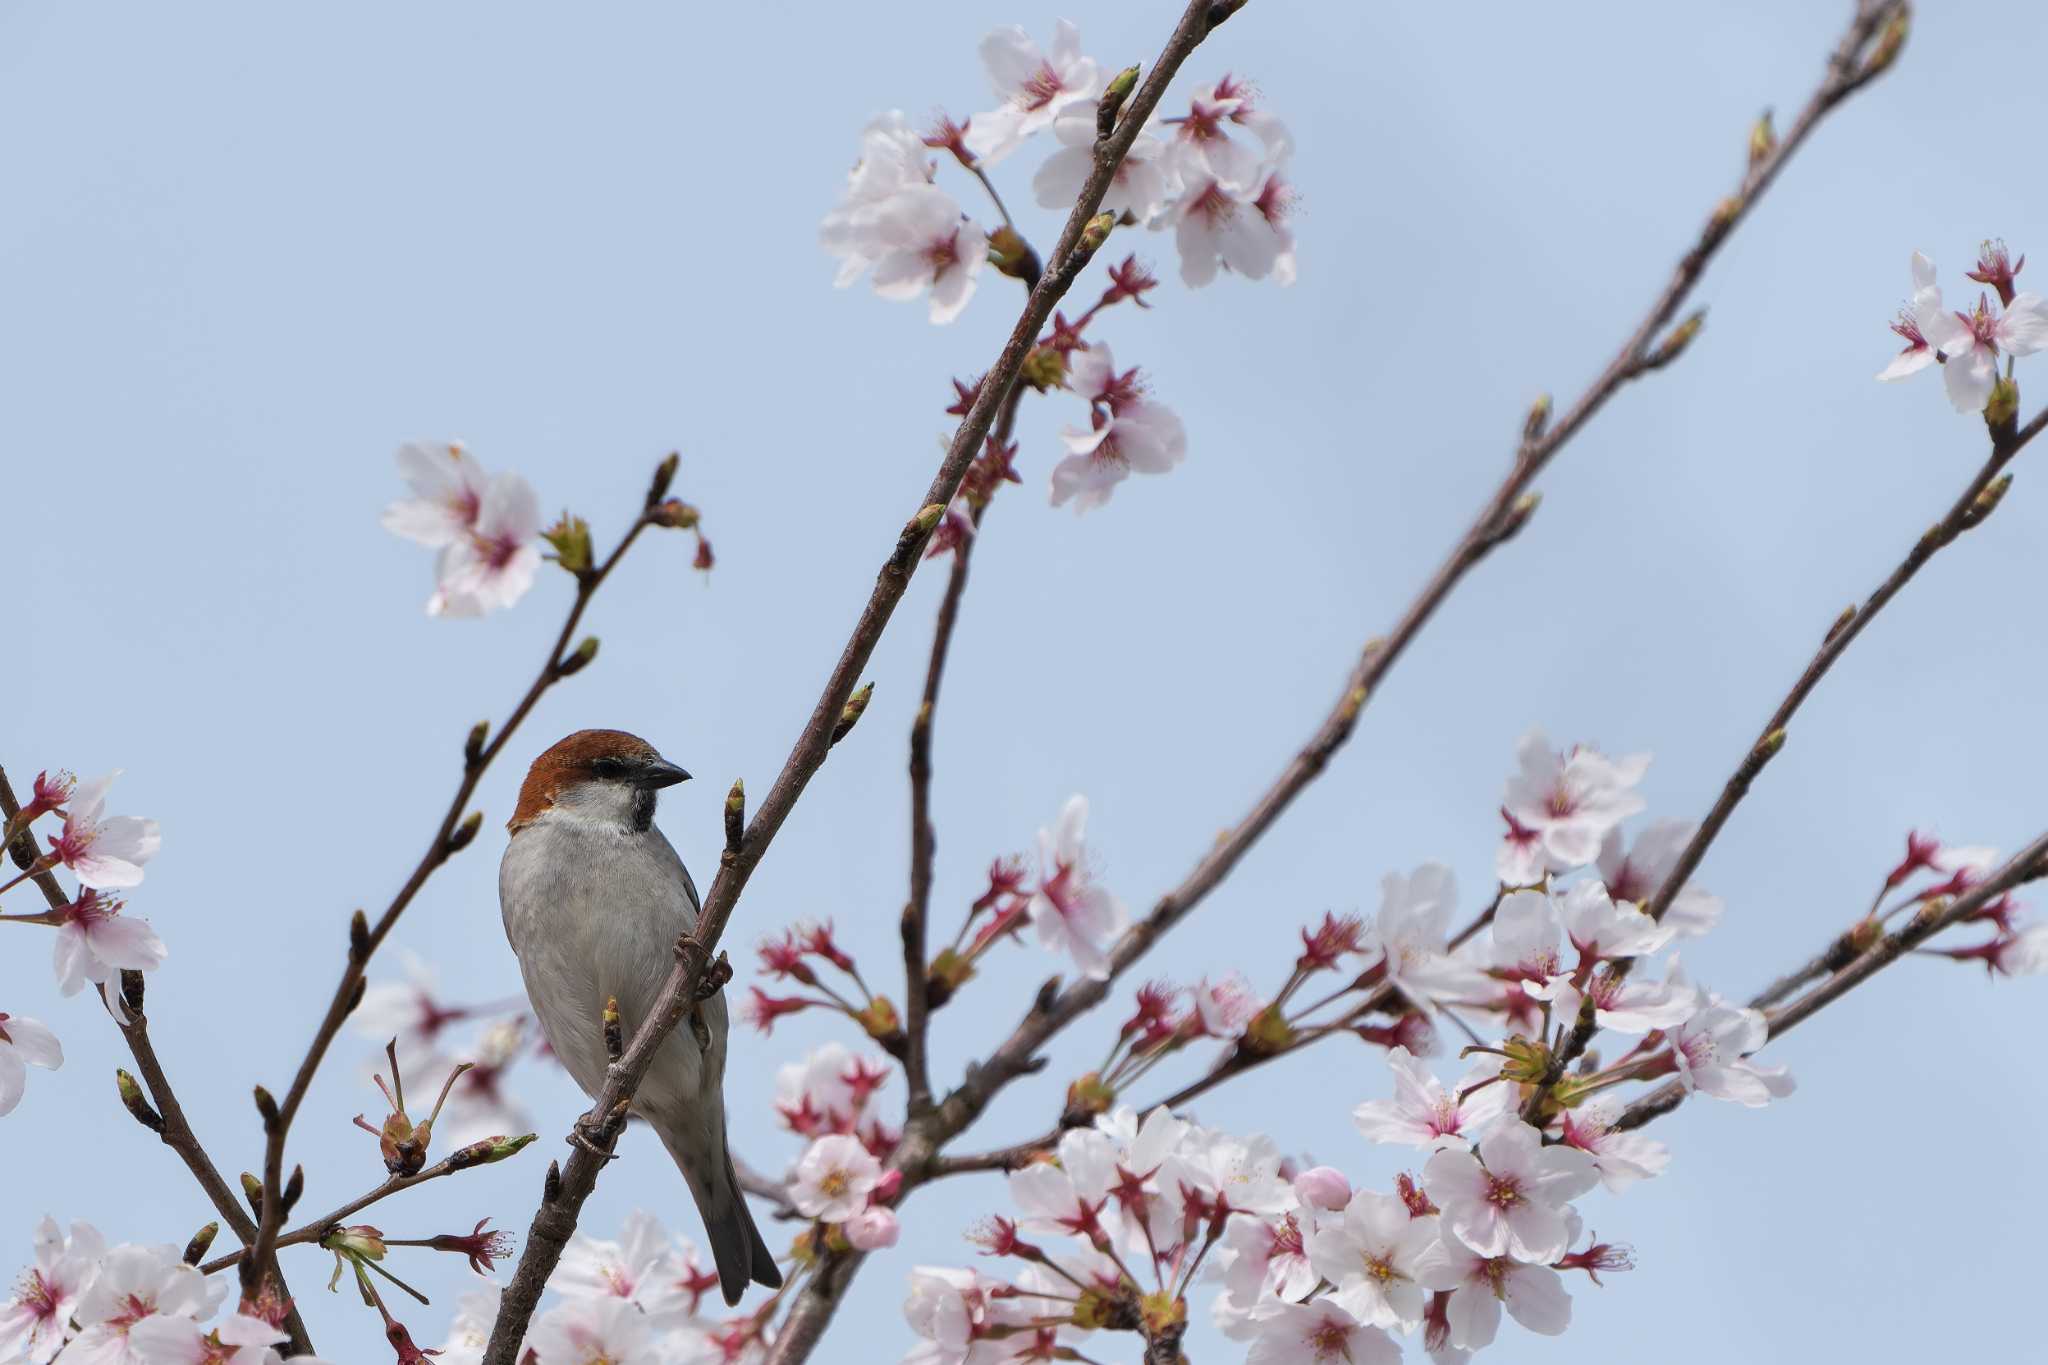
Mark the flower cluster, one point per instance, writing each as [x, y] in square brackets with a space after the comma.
[128, 1305]
[1967, 344]
[94, 939]
[829, 1099]
[428, 1033]
[1215, 175]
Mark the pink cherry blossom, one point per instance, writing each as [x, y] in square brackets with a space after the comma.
[24, 1043]
[1971, 343]
[893, 157]
[1035, 88]
[494, 564]
[1319, 1333]
[834, 1178]
[1622, 1158]
[447, 493]
[1371, 1256]
[1510, 1199]
[1481, 1285]
[1635, 875]
[1073, 912]
[1917, 355]
[1139, 188]
[593, 1331]
[96, 940]
[133, 1283]
[1712, 1052]
[1560, 806]
[103, 852]
[1423, 1114]
[36, 1321]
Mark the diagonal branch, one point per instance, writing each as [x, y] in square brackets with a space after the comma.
[1979, 498]
[1079, 239]
[2029, 864]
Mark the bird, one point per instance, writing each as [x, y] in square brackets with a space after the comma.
[594, 898]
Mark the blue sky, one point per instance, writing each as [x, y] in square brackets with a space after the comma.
[253, 247]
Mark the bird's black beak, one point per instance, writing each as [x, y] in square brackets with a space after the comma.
[659, 772]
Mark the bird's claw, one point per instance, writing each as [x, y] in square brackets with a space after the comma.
[589, 1136]
[700, 1030]
[716, 973]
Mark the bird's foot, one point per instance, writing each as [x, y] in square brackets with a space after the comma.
[592, 1138]
[716, 973]
[700, 1030]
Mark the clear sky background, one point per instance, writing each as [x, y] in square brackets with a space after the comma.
[252, 247]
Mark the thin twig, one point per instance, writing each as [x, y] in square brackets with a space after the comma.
[2029, 864]
[1968, 510]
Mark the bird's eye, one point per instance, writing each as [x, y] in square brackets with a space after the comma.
[609, 768]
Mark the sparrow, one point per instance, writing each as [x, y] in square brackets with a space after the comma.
[594, 899]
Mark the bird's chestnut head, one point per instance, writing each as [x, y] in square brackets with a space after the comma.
[599, 776]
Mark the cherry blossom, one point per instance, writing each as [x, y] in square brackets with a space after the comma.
[493, 565]
[447, 493]
[1601, 927]
[1322, 1187]
[872, 1229]
[1635, 875]
[1072, 911]
[96, 940]
[1414, 916]
[1221, 227]
[24, 1043]
[643, 1268]
[1560, 806]
[834, 1178]
[893, 157]
[1917, 355]
[1203, 149]
[1628, 1004]
[1513, 1203]
[1140, 186]
[470, 1332]
[1970, 343]
[1129, 433]
[946, 1308]
[1712, 1051]
[236, 1340]
[1622, 1158]
[594, 1331]
[34, 1324]
[1262, 1258]
[1035, 88]
[133, 1283]
[1371, 1257]
[926, 243]
[410, 1011]
[1423, 1114]
[105, 854]
[1319, 1333]
[1481, 1285]
[1226, 1005]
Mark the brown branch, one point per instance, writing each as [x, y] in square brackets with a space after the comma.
[462, 1159]
[2029, 864]
[1084, 233]
[923, 839]
[1969, 509]
[451, 837]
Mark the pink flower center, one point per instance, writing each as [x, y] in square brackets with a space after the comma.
[1329, 1340]
[1906, 326]
[1286, 1239]
[1503, 1191]
[498, 550]
[943, 254]
[1214, 206]
[37, 1295]
[1041, 89]
[1982, 326]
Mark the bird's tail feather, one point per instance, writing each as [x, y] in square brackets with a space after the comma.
[737, 1248]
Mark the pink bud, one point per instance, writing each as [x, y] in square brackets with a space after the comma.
[1322, 1187]
[871, 1229]
[887, 1188]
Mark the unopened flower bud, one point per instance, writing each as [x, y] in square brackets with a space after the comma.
[1011, 255]
[1675, 341]
[1763, 140]
[1096, 233]
[736, 814]
[871, 1229]
[1112, 102]
[1986, 502]
[1267, 1033]
[579, 659]
[252, 1190]
[1090, 1096]
[675, 514]
[1888, 44]
[137, 1103]
[202, 1241]
[487, 1150]
[266, 1108]
[294, 1186]
[850, 714]
[880, 1018]
[2002, 410]
[465, 833]
[473, 746]
[664, 475]
[1841, 624]
[1538, 420]
[1725, 214]
[1322, 1187]
[1044, 369]
[570, 537]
